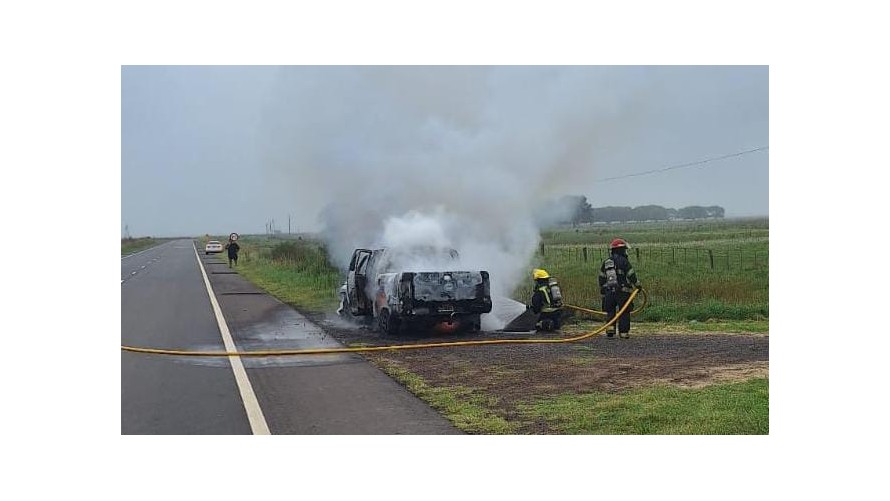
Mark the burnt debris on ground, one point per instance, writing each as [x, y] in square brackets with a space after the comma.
[520, 372]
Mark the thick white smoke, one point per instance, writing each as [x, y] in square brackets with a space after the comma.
[503, 253]
[445, 156]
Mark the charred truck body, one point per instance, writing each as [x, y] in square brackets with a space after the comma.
[378, 286]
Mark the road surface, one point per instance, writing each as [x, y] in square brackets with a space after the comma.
[165, 303]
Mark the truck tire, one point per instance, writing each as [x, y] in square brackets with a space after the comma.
[387, 324]
[472, 324]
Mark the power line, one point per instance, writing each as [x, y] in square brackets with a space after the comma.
[681, 166]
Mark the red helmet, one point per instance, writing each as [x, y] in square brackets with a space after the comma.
[617, 243]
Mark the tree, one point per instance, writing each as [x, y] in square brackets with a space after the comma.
[649, 213]
[569, 209]
[583, 212]
[576, 209]
[611, 213]
[693, 212]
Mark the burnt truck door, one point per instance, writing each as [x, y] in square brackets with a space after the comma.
[357, 281]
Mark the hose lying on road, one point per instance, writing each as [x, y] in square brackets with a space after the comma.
[320, 351]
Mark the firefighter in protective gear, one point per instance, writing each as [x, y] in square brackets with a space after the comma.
[548, 307]
[617, 279]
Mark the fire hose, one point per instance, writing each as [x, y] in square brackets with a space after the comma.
[603, 313]
[320, 351]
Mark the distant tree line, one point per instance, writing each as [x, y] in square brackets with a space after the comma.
[575, 209]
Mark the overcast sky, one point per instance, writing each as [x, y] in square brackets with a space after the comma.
[222, 149]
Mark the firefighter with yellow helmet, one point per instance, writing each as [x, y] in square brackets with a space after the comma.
[546, 301]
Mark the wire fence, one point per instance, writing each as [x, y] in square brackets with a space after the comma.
[687, 257]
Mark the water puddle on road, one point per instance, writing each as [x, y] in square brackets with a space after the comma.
[286, 330]
[261, 362]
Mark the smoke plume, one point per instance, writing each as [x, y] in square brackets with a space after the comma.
[458, 157]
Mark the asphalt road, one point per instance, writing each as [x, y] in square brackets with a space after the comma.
[165, 304]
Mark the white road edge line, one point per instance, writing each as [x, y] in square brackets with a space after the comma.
[248, 397]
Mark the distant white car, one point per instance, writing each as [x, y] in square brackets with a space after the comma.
[213, 247]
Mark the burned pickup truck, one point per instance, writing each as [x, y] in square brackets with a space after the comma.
[400, 290]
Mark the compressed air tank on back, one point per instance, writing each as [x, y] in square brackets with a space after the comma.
[555, 292]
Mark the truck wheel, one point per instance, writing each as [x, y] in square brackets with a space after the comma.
[473, 324]
[387, 324]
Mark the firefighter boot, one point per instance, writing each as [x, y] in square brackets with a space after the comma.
[624, 335]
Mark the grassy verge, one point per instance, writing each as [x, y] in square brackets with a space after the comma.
[584, 324]
[740, 326]
[723, 409]
[463, 406]
[296, 272]
[134, 245]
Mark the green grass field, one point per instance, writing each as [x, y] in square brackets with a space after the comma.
[295, 271]
[692, 271]
[133, 245]
[720, 409]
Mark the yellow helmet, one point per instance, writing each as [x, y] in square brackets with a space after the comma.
[539, 274]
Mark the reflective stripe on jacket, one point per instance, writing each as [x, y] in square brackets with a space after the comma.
[547, 306]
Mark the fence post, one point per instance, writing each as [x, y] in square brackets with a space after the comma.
[638, 254]
[711, 256]
[542, 248]
[585, 253]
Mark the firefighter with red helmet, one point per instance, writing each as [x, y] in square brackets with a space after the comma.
[617, 279]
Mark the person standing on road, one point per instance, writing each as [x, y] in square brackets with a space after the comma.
[617, 279]
[233, 249]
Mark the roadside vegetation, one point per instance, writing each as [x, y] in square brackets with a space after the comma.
[701, 277]
[133, 245]
[693, 272]
[720, 409]
[295, 271]
[463, 406]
